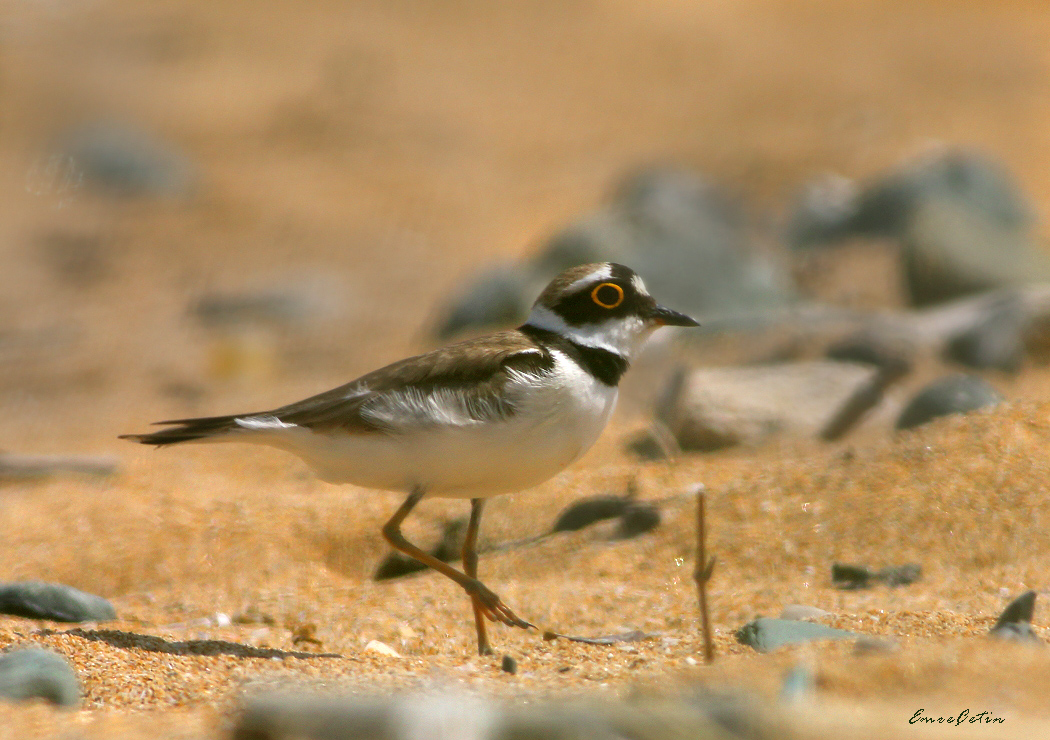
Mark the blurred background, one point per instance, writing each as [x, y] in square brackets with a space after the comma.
[208, 207]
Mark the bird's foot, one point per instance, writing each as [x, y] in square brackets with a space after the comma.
[493, 608]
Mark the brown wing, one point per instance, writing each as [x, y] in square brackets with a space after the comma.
[466, 378]
[471, 374]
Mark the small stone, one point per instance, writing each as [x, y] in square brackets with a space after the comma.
[802, 612]
[955, 394]
[1015, 623]
[1021, 609]
[508, 665]
[766, 635]
[381, 648]
[59, 603]
[690, 660]
[31, 673]
[127, 161]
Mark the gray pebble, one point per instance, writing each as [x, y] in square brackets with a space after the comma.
[508, 665]
[1015, 623]
[128, 161]
[54, 601]
[955, 394]
[766, 635]
[32, 673]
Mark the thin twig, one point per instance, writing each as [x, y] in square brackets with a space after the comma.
[702, 574]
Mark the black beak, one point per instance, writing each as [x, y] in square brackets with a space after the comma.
[666, 317]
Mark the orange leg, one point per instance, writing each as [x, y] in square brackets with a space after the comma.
[484, 600]
[470, 567]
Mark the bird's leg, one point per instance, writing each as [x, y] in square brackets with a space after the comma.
[491, 606]
[470, 567]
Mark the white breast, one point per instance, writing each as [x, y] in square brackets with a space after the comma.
[558, 417]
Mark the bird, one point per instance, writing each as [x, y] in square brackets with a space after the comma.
[486, 416]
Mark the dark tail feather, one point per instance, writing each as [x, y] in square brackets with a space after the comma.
[187, 430]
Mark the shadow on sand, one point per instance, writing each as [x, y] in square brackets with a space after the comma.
[154, 644]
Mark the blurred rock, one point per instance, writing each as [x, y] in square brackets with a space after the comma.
[864, 398]
[38, 467]
[951, 250]
[709, 409]
[832, 207]
[963, 224]
[127, 161]
[766, 635]
[1015, 623]
[31, 673]
[53, 601]
[955, 394]
[802, 612]
[823, 211]
[995, 341]
[288, 715]
[499, 296]
[853, 577]
[687, 239]
[870, 347]
[508, 665]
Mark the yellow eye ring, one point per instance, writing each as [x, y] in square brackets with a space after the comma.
[603, 304]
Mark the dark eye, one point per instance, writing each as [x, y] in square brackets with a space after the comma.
[607, 295]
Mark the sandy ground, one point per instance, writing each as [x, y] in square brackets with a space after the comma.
[372, 155]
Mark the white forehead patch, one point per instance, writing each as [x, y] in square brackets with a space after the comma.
[639, 285]
[602, 273]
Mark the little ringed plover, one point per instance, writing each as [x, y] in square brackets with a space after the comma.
[475, 419]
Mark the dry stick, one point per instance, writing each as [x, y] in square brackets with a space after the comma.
[702, 574]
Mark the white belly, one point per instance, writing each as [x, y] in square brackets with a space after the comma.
[554, 424]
